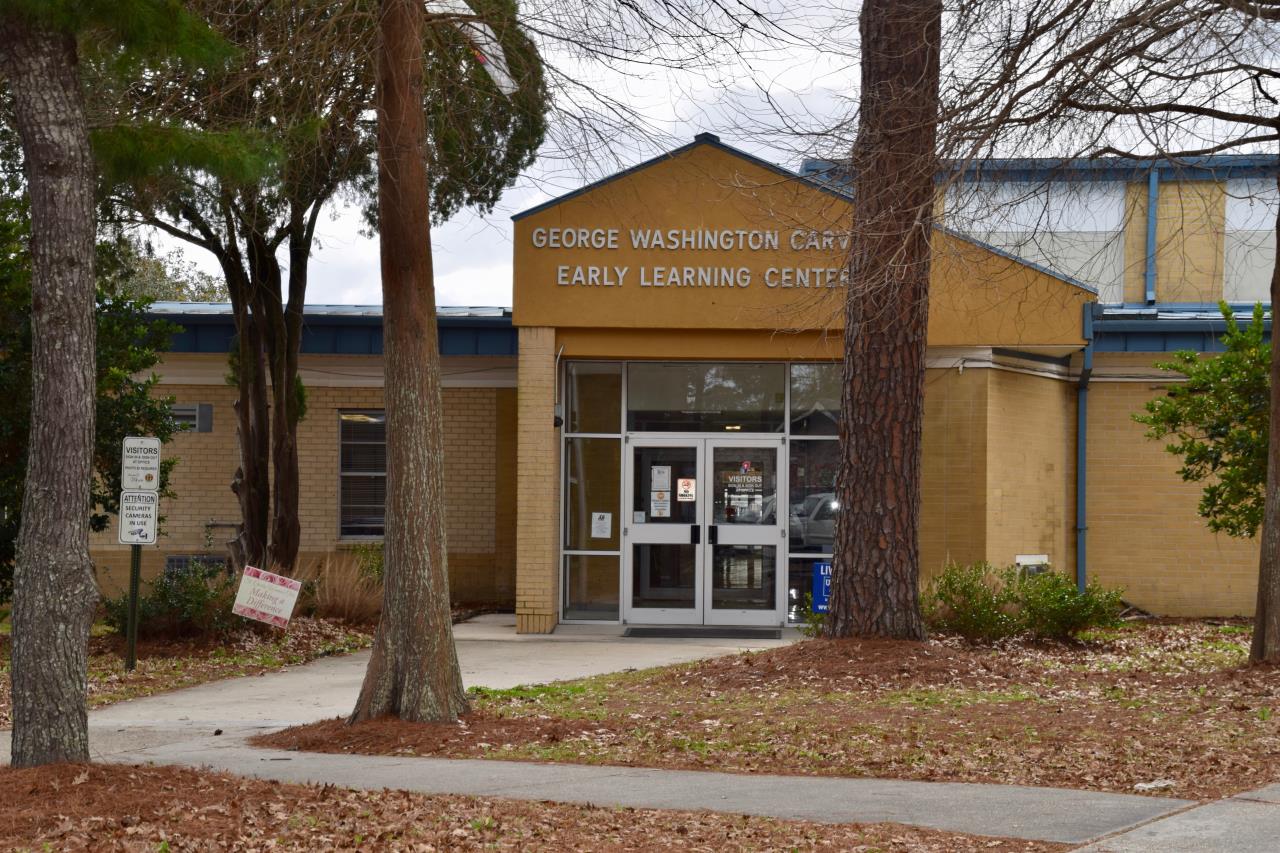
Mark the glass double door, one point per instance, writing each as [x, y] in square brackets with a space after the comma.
[702, 535]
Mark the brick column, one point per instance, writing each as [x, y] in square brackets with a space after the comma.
[537, 484]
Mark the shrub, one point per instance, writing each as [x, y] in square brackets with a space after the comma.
[813, 622]
[369, 558]
[981, 602]
[181, 605]
[975, 601]
[1052, 607]
[342, 586]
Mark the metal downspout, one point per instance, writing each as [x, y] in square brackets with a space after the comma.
[1082, 452]
[1153, 198]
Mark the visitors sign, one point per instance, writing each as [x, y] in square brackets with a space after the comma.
[138, 513]
[140, 464]
[266, 597]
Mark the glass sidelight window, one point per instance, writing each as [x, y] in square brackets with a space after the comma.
[592, 490]
[591, 586]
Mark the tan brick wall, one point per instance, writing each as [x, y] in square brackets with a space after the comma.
[1031, 433]
[953, 469]
[1144, 533]
[479, 443]
[1190, 235]
[537, 484]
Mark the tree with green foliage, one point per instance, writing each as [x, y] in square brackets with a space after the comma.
[294, 113]
[42, 46]
[1218, 418]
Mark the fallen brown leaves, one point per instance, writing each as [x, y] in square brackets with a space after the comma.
[111, 807]
[1146, 703]
[168, 666]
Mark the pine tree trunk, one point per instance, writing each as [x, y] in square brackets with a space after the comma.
[54, 589]
[1266, 617]
[876, 554]
[413, 670]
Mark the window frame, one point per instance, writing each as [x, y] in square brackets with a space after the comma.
[343, 536]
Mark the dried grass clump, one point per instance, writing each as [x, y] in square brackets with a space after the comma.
[340, 587]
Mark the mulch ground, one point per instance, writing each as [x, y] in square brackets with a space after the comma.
[1171, 704]
[113, 807]
[169, 665]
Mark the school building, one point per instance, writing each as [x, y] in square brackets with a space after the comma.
[648, 436]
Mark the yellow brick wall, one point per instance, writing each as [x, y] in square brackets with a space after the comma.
[1030, 468]
[537, 484]
[1144, 533]
[479, 444]
[1190, 235]
[953, 469]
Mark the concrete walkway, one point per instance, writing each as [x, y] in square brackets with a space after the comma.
[179, 728]
[1067, 816]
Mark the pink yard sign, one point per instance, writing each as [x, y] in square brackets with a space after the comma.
[266, 597]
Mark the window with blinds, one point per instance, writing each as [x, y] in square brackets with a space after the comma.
[363, 473]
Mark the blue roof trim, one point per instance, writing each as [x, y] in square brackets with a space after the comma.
[338, 334]
[701, 139]
[996, 250]
[1209, 168]
[1147, 329]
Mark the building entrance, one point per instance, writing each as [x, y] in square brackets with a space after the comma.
[702, 535]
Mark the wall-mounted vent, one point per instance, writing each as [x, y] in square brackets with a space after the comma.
[195, 417]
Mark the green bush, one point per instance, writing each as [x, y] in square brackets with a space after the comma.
[975, 601]
[981, 602]
[181, 605]
[813, 622]
[369, 559]
[1052, 607]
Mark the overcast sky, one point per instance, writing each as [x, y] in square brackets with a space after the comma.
[737, 98]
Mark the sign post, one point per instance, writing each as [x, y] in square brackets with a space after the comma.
[139, 510]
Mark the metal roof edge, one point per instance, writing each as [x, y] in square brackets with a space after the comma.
[701, 139]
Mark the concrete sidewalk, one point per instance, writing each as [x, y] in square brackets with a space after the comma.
[1043, 814]
[179, 727]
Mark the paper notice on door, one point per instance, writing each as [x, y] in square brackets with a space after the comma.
[637, 516]
[601, 525]
[660, 478]
[686, 490]
[660, 504]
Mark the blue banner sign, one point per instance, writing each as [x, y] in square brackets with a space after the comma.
[821, 587]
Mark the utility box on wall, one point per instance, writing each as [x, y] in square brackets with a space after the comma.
[1032, 564]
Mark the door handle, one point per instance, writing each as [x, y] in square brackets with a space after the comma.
[695, 534]
[713, 535]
